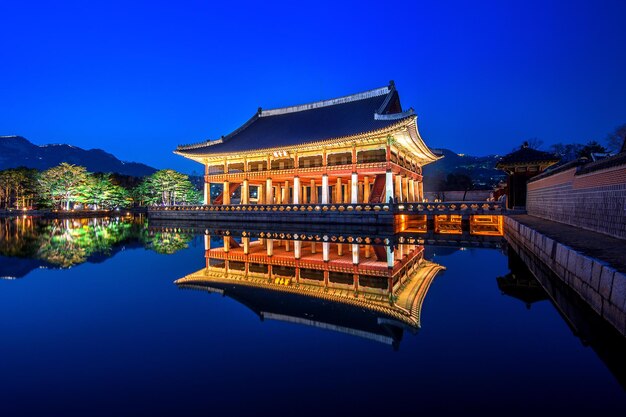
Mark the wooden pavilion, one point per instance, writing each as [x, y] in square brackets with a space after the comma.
[361, 148]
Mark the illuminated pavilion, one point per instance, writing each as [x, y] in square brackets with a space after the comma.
[361, 148]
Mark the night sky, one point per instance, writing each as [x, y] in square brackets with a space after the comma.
[137, 80]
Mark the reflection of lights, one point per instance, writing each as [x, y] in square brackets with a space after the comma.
[401, 206]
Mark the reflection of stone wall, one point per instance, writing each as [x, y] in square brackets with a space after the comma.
[599, 285]
[592, 197]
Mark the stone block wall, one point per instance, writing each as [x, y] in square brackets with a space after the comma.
[598, 284]
[590, 199]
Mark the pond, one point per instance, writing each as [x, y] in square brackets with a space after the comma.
[114, 316]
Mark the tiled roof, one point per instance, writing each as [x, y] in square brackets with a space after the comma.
[526, 155]
[344, 116]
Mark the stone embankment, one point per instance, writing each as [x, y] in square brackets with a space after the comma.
[592, 264]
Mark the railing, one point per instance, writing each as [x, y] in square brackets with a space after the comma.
[467, 207]
[458, 207]
[339, 208]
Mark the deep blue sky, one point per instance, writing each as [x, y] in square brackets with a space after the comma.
[136, 80]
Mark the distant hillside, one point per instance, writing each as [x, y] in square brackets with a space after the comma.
[16, 151]
[481, 169]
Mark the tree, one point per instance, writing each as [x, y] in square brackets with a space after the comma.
[61, 184]
[590, 148]
[17, 187]
[616, 141]
[99, 191]
[567, 152]
[167, 187]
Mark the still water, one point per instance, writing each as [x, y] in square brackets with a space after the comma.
[93, 323]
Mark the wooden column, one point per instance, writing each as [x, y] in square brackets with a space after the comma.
[260, 192]
[226, 193]
[366, 189]
[245, 192]
[338, 191]
[285, 196]
[398, 188]
[339, 249]
[411, 190]
[405, 189]
[269, 191]
[313, 195]
[420, 187]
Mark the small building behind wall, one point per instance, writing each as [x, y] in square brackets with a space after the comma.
[521, 166]
[361, 148]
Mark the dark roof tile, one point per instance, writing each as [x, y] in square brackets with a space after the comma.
[345, 116]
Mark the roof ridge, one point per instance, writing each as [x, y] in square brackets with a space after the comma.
[328, 102]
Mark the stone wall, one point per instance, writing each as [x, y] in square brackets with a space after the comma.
[591, 196]
[598, 284]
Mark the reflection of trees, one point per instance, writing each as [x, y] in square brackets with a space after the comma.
[166, 242]
[67, 242]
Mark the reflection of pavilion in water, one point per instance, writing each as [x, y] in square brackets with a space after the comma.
[372, 291]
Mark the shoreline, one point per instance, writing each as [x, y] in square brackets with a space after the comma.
[63, 214]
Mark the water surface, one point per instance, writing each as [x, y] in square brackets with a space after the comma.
[93, 324]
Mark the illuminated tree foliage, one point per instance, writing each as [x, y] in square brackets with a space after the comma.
[100, 192]
[61, 185]
[65, 185]
[18, 188]
[167, 187]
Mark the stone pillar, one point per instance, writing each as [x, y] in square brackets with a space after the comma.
[366, 189]
[296, 190]
[270, 247]
[354, 188]
[245, 192]
[388, 186]
[297, 249]
[398, 189]
[326, 251]
[207, 193]
[339, 192]
[411, 190]
[269, 191]
[246, 244]
[325, 189]
[226, 193]
[355, 253]
[390, 259]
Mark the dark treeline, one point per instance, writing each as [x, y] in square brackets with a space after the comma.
[69, 186]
